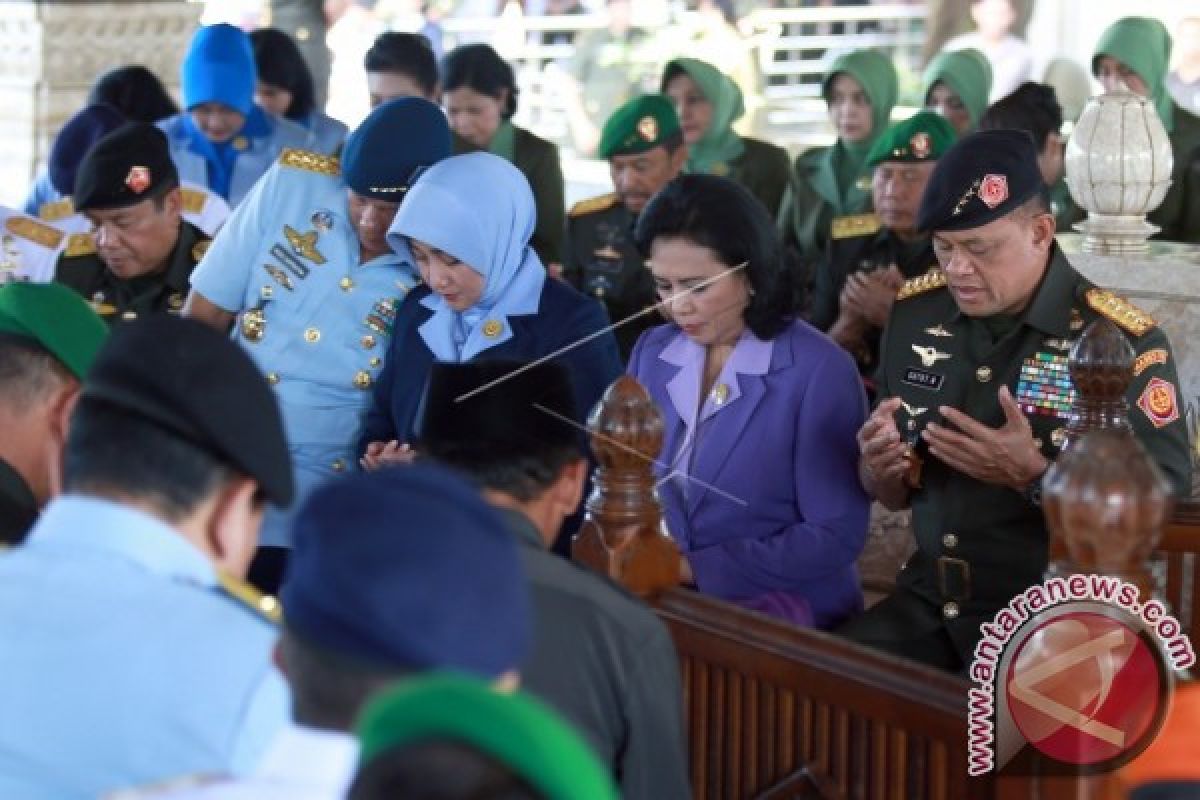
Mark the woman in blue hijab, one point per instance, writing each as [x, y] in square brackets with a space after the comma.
[222, 140]
[466, 224]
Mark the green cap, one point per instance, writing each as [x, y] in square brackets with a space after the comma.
[642, 124]
[514, 729]
[922, 137]
[55, 317]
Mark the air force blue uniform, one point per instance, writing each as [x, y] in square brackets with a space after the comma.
[316, 321]
[113, 626]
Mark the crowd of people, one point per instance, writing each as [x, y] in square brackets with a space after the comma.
[294, 416]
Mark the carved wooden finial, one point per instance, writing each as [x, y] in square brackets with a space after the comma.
[622, 535]
[1101, 367]
[1106, 502]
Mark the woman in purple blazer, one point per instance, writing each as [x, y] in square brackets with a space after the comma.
[758, 473]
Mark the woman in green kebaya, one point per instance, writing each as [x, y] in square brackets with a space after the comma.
[957, 84]
[708, 103]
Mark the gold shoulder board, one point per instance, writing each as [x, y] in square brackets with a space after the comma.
[194, 200]
[594, 204]
[261, 604]
[38, 232]
[1120, 311]
[80, 244]
[313, 162]
[56, 210]
[854, 225]
[934, 279]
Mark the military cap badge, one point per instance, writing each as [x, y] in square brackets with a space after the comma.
[993, 190]
[138, 179]
[920, 144]
[647, 127]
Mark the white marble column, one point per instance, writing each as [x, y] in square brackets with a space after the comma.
[51, 52]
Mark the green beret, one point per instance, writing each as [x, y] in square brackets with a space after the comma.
[56, 318]
[642, 124]
[514, 729]
[922, 137]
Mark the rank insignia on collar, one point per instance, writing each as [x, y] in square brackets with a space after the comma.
[938, 330]
[305, 244]
[929, 355]
[492, 328]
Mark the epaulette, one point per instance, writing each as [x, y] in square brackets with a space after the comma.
[80, 244]
[261, 604]
[199, 249]
[594, 204]
[1120, 311]
[854, 225]
[313, 162]
[934, 279]
[194, 200]
[38, 232]
[56, 209]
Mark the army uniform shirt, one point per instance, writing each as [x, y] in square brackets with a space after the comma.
[29, 248]
[316, 320]
[859, 244]
[980, 544]
[602, 262]
[81, 268]
[204, 209]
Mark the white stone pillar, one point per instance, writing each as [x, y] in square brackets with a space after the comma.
[51, 52]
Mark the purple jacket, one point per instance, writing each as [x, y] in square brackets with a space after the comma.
[771, 514]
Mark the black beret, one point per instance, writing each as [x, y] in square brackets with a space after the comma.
[981, 178]
[201, 386]
[498, 409]
[124, 168]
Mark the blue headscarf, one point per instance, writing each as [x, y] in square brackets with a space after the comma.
[479, 209]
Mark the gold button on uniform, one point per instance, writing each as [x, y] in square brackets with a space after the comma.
[492, 328]
[272, 378]
[376, 361]
[368, 341]
[983, 374]
[362, 379]
[950, 610]
[338, 466]
[346, 283]
[950, 541]
[312, 335]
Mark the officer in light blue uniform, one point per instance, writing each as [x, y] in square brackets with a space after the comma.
[304, 275]
[222, 140]
[128, 653]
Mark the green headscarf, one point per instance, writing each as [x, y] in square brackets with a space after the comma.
[876, 74]
[1143, 45]
[719, 144]
[968, 73]
[515, 729]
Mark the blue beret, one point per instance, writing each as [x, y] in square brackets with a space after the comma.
[74, 141]
[388, 151]
[219, 68]
[980, 179]
[408, 569]
[202, 387]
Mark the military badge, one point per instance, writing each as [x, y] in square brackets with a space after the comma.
[1158, 402]
[492, 328]
[647, 128]
[1044, 386]
[993, 190]
[939, 331]
[280, 276]
[138, 179]
[254, 325]
[920, 144]
[305, 244]
[240, 143]
[1148, 359]
[929, 355]
[322, 220]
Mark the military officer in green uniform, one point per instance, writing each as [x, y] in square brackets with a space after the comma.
[141, 252]
[643, 144]
[973, 372]
[871, 255]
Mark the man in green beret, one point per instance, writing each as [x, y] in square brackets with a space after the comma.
[141, 252]
[870, 255]
[48, 338]
[643, 143]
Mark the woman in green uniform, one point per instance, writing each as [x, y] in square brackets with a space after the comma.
[1134, 51]
[828, 182]
[956, 84]
[479, 91]
[708, 103]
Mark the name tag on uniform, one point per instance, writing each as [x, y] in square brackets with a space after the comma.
[923, 379]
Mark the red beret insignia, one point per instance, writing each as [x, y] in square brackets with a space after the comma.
[138, 179]
[993, 190]
[920, 145]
